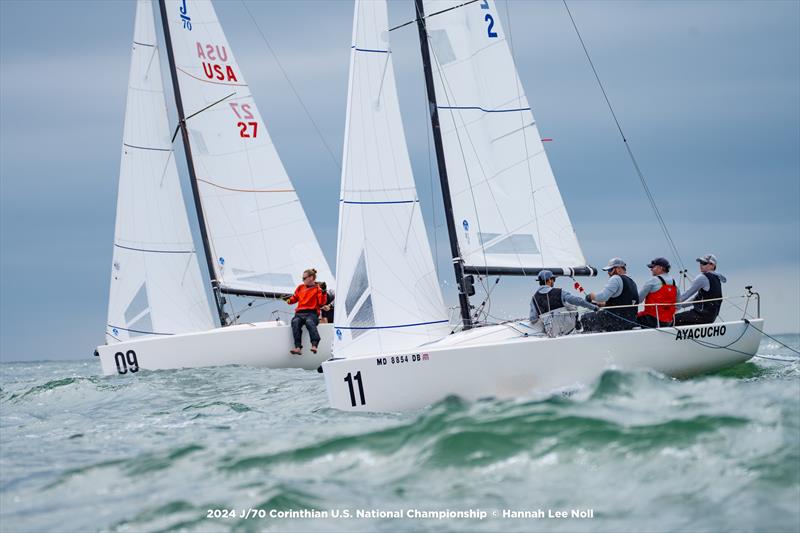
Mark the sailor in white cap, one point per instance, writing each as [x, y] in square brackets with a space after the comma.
[706, 286]
[547, 298]
[619, 291]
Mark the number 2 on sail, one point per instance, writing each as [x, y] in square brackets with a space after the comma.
[349, 380]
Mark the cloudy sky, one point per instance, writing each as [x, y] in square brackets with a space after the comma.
[708, 93]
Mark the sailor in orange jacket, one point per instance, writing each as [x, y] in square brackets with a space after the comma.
[661, 290]
[309, 298]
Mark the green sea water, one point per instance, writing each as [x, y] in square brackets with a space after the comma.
[192, 450]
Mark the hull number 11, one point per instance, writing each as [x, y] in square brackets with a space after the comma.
[349, 379]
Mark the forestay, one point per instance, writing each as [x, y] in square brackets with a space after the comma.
[388, 296]
[260, 237]
[506, 204]
[156, 287]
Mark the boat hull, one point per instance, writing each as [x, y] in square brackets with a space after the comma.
[262, 344]
[501, 361]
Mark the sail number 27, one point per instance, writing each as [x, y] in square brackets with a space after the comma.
[349, 379]
[247, 129]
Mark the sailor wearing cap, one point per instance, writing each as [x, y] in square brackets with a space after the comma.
[547, 298]
[619, 291]
[706, 286]
[659, 294]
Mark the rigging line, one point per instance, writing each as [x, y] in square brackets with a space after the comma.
[776, 340]
[486, 179]
[433, 14]
[209, 106]
[291, 85]
[461, 149]
[639, 173]
[524, 134]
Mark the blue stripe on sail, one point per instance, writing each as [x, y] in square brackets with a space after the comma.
[393, 327]
[378, 203]
[147, 148]
[155, 251]
[476, 108]
[357, 49]
[138, 331]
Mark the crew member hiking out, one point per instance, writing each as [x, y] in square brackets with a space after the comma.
[659, 293]
[309, 298]
[619, 291]
[547, 299]
[706, 286]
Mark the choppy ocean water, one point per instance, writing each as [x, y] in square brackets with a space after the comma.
[158, 452]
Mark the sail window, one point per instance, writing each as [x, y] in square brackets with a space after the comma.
[138, 305]
[358, 285]
[518, 243]
[364, 318]
[143, 326]
[442, 47]
[198, 142]
[264, 278]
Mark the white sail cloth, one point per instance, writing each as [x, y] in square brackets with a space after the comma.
[156, 287]
[260, 237]
[387, 296]
[506, 204]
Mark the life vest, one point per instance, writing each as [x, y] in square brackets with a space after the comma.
[665, 296]
[629, 296]
[709, 309]
[547, 301]
[308, 298]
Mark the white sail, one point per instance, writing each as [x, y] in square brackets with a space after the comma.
[156, 287]
[387, 296]
[506, 204]
[259, 235]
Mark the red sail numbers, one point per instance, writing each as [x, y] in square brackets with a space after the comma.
[211, 56]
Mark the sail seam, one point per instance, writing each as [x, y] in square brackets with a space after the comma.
[147, 148]
[243, 190]
[376, 51]
[154, 251]
[138, 331]
[209, 81]
[376, 203]
[395, 326]
[478, 108]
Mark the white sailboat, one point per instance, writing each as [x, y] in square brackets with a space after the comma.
[505, 217]
[256, 237]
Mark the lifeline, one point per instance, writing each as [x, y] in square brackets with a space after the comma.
[699, 333]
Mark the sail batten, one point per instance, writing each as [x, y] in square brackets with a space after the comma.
[156, 285]
[388, 295]
[258, 234]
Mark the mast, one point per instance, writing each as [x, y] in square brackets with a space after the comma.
[218, 299]
[458, 261]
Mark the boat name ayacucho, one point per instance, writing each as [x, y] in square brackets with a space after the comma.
[700, 333]
[397, 359]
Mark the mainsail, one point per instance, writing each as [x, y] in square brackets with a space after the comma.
[387, 296]
[156, 287]
[506, 204]
[258, 232]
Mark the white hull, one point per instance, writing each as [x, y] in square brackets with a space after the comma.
[500, 361]
[264, 344]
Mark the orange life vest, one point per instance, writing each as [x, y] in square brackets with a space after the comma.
[308, 298]
[666, 297]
